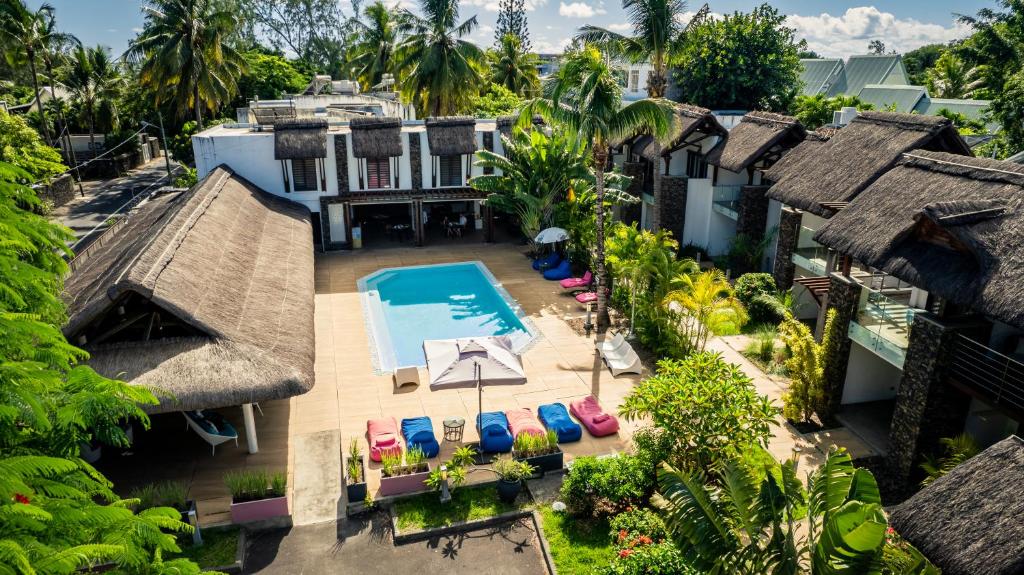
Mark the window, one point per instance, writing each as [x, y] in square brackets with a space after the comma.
[304, 175]
[450, 171]
[378, 173]
[696, 167]
[634, 80]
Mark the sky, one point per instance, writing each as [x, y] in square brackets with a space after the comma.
[831, 27]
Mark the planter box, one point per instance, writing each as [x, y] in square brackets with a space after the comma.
[355, 492]
[260, 510]
[544, 463]
[409, 483]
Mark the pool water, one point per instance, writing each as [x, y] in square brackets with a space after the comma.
[405, 306]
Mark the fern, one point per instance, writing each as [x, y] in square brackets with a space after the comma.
[956, 450]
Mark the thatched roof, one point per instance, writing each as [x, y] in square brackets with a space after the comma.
[812, 144]
[227, 269]
[759, 137]
[856, 156]
[451, 136]
[968, 522]
[689, 123]
[506, 123]
[300, 139]
[376, 137]
[952, 225]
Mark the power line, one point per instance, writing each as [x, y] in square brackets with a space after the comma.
[87, 162]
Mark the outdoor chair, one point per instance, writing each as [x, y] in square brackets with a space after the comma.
[623, 360]
[549, 261]
[408, 375]
[382, 435]
[578, 283]
[523, 420]
[559, 272]
[610, 345]
[555, 417]
[419, 432]
[593, 417]
[495, 436]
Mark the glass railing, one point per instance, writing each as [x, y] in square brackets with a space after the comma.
[883, 325]
[812, 258]
[885, 349]
[726, 201]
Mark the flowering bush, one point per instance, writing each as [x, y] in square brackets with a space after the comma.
[641, 525]
[649, 559]
[604, 485]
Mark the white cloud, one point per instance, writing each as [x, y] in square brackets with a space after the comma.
[851, 32]
[578, 10]
[622, 27]
[493, 5]
[542, 45]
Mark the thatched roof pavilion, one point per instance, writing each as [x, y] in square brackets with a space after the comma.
[759, 139]
[376, 137]
[300, 139]
[856, 156]
[690, 124]
[968, 521]
[205, 296]
[451, 136]
[949, 224]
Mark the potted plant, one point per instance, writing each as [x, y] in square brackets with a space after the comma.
[403, 473]
[540, 451]
[511, 474]
[451, 473]
[257, 495]
[355, 473]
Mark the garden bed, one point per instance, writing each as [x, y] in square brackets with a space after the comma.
[223, 549]
[578, 546]
[426, 511]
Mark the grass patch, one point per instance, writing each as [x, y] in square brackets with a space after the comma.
[426, 511]
[578, 545]
[218, 549]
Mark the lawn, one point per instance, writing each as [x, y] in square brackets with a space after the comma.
[578, 546]
[426, 511]
[218, 549]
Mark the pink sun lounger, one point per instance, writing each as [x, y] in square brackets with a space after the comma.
[382, 434]
[576, 283]
[524, 421]
[590, 414]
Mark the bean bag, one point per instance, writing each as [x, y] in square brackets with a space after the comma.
[419, 432]
[577, 283]
[559, 272]
[555, 417]
[590, 414]
[494, 434]
[523, 421]
[548, 261]
[382, 434]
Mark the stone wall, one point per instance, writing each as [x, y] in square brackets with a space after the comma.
[789, 235]
[843, 297]
[673, 212]
[631, 213]
[415, 161]
[341, 163]
[753, 211]
[489, 146]
[58, 192]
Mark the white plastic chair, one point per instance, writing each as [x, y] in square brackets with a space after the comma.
[623, 360]
[609, 346]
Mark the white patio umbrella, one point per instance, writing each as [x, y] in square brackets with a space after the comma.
[551, 235]
[473, 362]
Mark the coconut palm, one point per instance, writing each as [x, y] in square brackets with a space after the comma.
[378, 40]
[706, 299]
[513, 67]
[441, 66]
[186, 54]
[952, 77]
[585, 99]
[96, 84]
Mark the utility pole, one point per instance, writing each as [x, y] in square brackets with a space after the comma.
[163, 137]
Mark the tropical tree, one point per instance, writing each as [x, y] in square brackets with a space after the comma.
[585, 99]
[378, 41]
[806, 367]
[441, 66]
[814, 111]
[956, 450]
[952, 77]
[187, 56]
[513, 67]
[495, 101]
[21, 146]
[96, 85]
[633, 256]
[708, 305]
[746, 522]
[512, 20]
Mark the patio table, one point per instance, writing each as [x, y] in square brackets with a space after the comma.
[453, 428]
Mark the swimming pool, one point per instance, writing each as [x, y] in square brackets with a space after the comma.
[405, 306]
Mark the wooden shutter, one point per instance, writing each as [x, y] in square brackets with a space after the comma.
[378, 173]
[304, 175]
[451, 171]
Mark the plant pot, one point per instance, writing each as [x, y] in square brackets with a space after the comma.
[509, 490]
[190, 515]
[543, 463]
[355, 492]
[408, 483]
[259, 510]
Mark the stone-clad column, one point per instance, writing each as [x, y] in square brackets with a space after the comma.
[489, 146]
[843, 297]
[673, 212]
[414, 161]
[753, 212]
[631, 213]
[789, 235]
[341, 163]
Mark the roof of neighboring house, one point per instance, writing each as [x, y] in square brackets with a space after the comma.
[819, 75]
[952, 225]
[760, 136]
[226, 264]
[884, 96]
[968, 521]
[872, 69]
[856, 156]
[689, 124]
[972, 109]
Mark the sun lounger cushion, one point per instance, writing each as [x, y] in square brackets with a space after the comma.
[559, 272]
[555, 417]
[495, 436]
[586, 297]
[419, 432]
[590, 414]
[523, 421]
[570, 283]
[548, 261]
[382, 435]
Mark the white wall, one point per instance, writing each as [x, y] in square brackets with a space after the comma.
[869, 377]
[698, 211]
[404, 165]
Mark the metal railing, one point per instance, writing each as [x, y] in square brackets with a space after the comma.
[882, 325]
[998, 378]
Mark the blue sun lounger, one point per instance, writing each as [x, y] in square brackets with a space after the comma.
[494, 434]
[419, 432]
[555, 417]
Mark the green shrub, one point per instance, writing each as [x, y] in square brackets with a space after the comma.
[766, 308]
[651, 446]
[653, 559]
[634, 523]
[693, 252]
[163, 494]
[255, 484]
[757, 293]
[763, 344]
[750, 285]
[604, 485]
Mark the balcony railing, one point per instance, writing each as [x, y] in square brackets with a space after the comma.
[874, 341]
[812, 258]
[883, 326]
[996, 378]
[726, 201]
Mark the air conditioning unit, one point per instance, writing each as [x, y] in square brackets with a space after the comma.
[844, 116]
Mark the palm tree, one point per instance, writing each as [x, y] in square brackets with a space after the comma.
[514, 68]
[709, 305]
[96, 84]
[658, 32]
[442, 68]
[186, 54]
[28, 35]
[378, 40]
[952, 77]
[585, 99]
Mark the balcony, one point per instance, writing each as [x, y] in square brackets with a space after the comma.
[994, 378]
[883, 326]
[726, 201]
